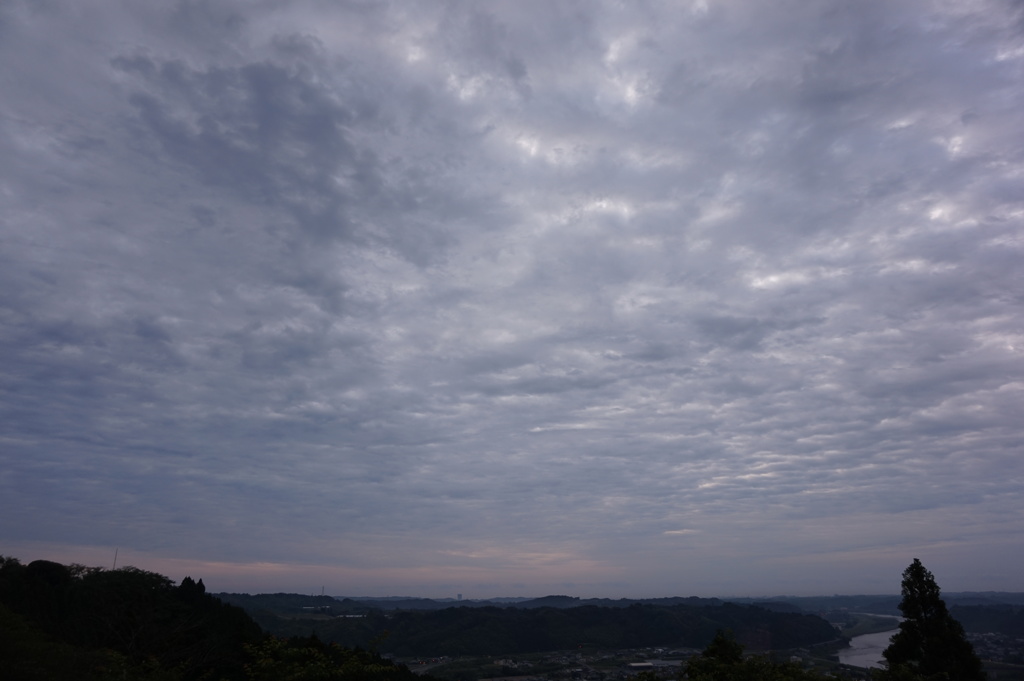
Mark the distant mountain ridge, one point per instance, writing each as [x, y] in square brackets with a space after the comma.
[881, 604]
[871, 603]
[363, 603]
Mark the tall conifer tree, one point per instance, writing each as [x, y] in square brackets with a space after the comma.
[930, 644]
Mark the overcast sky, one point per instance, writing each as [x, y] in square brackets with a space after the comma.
[719, 297]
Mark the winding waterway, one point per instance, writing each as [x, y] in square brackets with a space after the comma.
[866, 651]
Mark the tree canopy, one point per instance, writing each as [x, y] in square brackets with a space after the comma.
[929, 644]
[723, 660]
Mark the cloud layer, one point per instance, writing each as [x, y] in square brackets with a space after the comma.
[720, 297]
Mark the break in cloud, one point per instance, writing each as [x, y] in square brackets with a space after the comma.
[719, 297]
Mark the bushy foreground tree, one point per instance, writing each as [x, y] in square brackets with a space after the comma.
[310, 659]
[930, 645]
[723, 660]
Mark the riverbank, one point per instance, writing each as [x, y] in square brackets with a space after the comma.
[869, 636]
[866, 651]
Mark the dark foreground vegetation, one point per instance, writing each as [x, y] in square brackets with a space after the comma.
[89, 624]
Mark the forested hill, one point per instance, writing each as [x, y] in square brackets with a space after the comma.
[90, 624]
[495, 630]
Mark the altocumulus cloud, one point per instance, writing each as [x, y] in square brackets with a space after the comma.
[715, 297]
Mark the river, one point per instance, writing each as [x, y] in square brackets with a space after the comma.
[866, 651]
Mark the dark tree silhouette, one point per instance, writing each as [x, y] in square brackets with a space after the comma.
[723, 660]
[930, 644]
